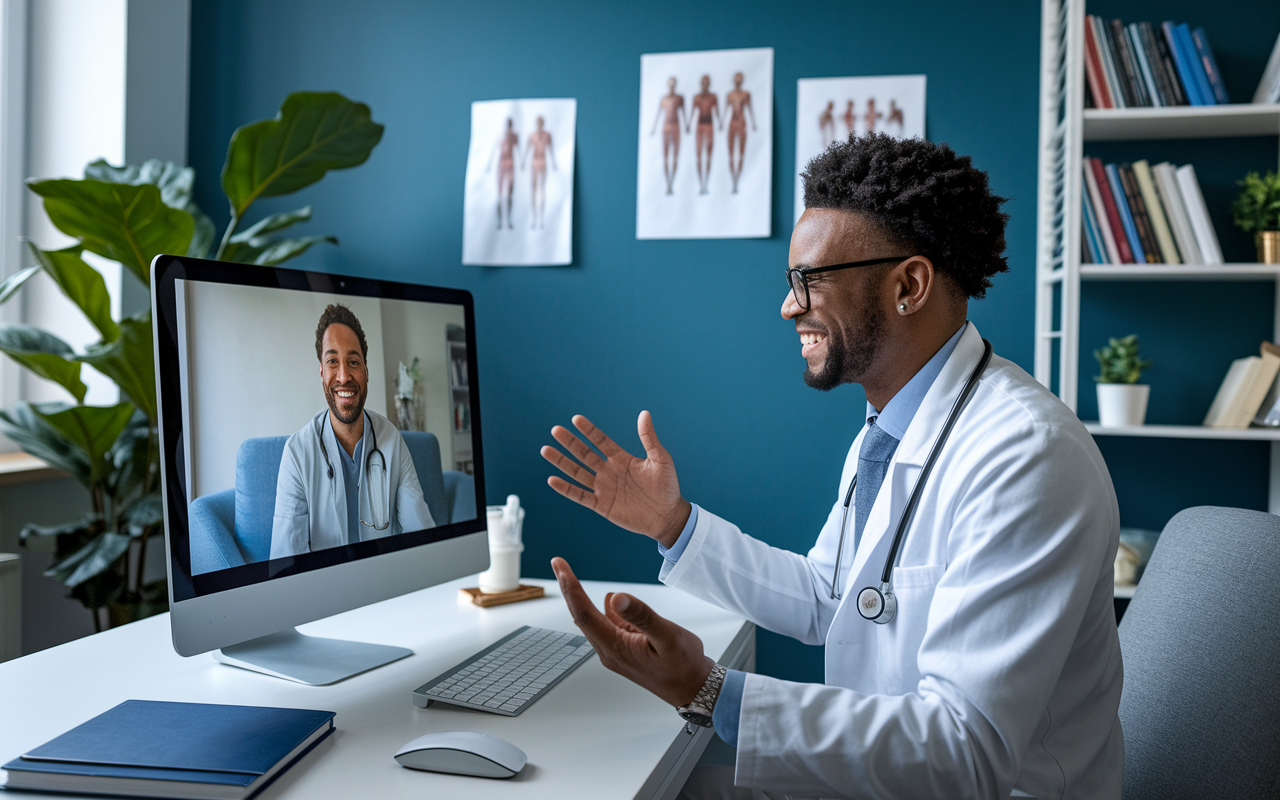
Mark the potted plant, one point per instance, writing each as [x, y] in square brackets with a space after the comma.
[131, 214]
[1121, 399]
[1257, 211]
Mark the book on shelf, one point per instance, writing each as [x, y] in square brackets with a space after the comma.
[1243, 391]
[145, 748]
[1093, 250]
[1268, 414]
[1141, 65]
[1143, 214]
[1268, 90]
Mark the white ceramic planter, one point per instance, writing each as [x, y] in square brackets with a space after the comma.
[1121, 404]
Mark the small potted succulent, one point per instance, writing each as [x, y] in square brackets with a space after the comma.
[1257, 211]
[1121, 399]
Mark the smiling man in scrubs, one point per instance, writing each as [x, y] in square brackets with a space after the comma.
[999, 674]
[346, 476]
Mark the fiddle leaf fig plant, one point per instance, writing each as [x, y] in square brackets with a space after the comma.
[131, 214]
[1120, 362]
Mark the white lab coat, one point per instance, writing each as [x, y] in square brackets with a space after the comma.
[1002, 670]
[311, 507]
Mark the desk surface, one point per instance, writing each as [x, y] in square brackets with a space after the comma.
[594, 735]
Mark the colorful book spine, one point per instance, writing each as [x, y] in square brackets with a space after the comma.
[1155, 210]
[1183, 64]
[1113, 213]
[1138, 209]
[1092, 237]
[1210, 64]
[1126, 217]
[1196, 68]
[1132, 72]
[1100, 215]
[1093, 70]
[1152, 59]
[1123, 76]
[1170, 70]
[1179, 223]
[1108, 62]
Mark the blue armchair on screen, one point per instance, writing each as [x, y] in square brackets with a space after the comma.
[233, 527]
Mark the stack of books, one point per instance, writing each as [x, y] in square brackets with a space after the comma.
[1137, 65]
[1142, 214]
[1249, 393]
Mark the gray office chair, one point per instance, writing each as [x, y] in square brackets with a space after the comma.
[1201, 645]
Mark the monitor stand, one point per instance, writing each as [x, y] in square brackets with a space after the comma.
[308, 659]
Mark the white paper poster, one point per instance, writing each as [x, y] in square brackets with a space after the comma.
[519, 197]
[831, 109]
[706, 145]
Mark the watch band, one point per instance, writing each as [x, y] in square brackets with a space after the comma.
[700, 709]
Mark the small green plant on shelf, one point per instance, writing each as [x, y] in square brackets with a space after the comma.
[1257, 211]
[1119, 361]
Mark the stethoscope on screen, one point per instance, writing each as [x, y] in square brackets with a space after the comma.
[879, 604]
[368, 471]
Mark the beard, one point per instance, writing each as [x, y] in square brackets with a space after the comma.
[850, 353]
[330, 396]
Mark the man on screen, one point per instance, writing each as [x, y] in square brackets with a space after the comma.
[346, 476]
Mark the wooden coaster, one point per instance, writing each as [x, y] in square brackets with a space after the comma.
[521, 592]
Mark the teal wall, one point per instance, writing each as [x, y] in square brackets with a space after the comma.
[690, 329]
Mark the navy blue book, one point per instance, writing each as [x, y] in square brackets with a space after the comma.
[145, 748]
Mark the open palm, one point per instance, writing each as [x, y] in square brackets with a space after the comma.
[639, 494]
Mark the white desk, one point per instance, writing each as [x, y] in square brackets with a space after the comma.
[594, 735]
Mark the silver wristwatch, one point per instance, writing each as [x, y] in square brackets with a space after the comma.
[699, 711]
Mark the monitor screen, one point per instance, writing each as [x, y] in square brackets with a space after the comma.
[309, 421]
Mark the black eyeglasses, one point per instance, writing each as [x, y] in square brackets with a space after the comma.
[798, 279]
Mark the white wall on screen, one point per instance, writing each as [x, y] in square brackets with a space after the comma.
[252, 369]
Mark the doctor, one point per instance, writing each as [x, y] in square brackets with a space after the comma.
[999, 673]
[346, 476]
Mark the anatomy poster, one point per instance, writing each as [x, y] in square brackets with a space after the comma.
[519, 198]
[832, 109]
[706, 145]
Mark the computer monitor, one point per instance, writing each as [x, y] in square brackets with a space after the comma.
[320, 451]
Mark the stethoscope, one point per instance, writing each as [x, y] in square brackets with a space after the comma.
[879, 604]
[368, 462]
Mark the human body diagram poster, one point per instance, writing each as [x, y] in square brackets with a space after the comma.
[519, 194]
[706, 145]
[832, 109]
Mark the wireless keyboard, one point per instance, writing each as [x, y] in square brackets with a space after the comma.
[509, 675]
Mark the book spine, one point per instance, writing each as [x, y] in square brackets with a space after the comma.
[1129, 79]
[1155, 210]
[1109, 67]
[1143, 32]
[1140, 52]
[1093, 69]
[1126, 216]
[1194, 69]
[1206, 236]
[1170, 70]
[1210, 64]
[1100, 214]
[1092, 239]
[1180, 61]
[1113, 213]
[1268, 90]
[1141, 222]
[1179, 223]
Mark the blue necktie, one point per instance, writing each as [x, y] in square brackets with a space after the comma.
[873, 463]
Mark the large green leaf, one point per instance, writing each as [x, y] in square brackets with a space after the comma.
[14, 282]
[91, 560]
[44, 354]
[272, 224]
[126, 223]
[176, 184]
[44, 538]
[135, 471]
[254, 245]
[313, 133]
[82, 284]
[29, 431]
[93, 428]
[129, 361]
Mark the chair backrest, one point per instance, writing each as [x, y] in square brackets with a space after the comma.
[1201, 646]
[258, 468]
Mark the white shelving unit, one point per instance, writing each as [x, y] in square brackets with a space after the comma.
[1065, 125]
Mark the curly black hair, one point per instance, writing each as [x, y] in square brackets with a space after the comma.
[335, 314]
[921, 195]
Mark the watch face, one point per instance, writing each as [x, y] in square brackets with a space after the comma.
[697, 718]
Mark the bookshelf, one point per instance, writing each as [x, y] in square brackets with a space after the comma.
[459, 400]
[1065, 126]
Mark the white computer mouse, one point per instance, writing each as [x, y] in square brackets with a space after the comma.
[463, 753]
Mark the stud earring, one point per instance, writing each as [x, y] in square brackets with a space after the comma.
[902, 307]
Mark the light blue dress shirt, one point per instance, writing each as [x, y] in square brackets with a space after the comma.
[893, 419]
[351, 482]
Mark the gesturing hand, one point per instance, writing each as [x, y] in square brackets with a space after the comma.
[636, 643]
[641, 495]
